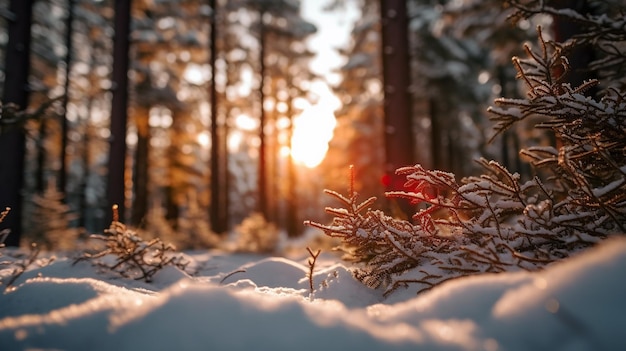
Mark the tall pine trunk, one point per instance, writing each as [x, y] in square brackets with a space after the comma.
[40, 171]
[262, 184]
[141, 175]
[397, 104]
[219, 191]
[86, 161]
[293, 226]
[119, 113]
[12, 142]
[62, 181]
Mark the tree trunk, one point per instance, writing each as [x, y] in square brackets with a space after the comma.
[119, 116]
[436, 135]
[293, 226]
[40, 173]
[396, 78]
[397, 105]
[273, 171]
[86, 160]
[141, 176]
[62, 181]
[12, 143]
[262, 205]
[218, 209]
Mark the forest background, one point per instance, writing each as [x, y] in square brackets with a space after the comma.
[188, 124]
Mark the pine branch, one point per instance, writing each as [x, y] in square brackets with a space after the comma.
[494, 222]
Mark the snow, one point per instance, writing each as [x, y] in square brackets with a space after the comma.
[246, 301]
[600, 192]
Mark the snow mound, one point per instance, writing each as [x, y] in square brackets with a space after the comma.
[576, 304]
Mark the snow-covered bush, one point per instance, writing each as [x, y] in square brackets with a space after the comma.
[128, 255]
[256, 234]
[495, 222]
[193, 230]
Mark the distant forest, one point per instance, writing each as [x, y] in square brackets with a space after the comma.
[178, 111]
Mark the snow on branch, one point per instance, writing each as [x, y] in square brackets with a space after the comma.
[605, 30]
[494, 222]
[128, 255]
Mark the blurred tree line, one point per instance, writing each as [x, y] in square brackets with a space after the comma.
[179, 107]
[187, 118]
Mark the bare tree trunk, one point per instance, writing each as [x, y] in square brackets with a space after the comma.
[62, 181]
[436, 134]
[40, 173]
[397, 106]
[273, 171]
[12, 143]
[262, 205]
[219, 191]
[293, 226]
[119, 113]
[141, 177]
[172, 211]
[86, 160]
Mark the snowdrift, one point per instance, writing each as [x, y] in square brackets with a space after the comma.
[243, 302]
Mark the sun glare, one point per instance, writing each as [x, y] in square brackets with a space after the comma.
[313, 129]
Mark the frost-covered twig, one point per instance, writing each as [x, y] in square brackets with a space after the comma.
[5, 232]
[311, 261]
[231, 274]
[20, 266]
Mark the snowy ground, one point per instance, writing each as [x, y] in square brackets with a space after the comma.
[577, 304]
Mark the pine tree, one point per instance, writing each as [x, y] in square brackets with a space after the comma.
[52, 219]
[495, 221]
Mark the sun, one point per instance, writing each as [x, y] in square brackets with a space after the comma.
[313, 129]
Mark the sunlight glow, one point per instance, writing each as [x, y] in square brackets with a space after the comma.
[284, 151]
[160, 117]
[245, 122]
[204, 140]
[196, 74]
[313, 129]
[235, 139]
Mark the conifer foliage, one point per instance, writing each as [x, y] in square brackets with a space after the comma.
[496, 222]
[51, 223]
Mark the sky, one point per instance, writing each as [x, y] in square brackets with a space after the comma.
[314, 128]
[333, 31]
